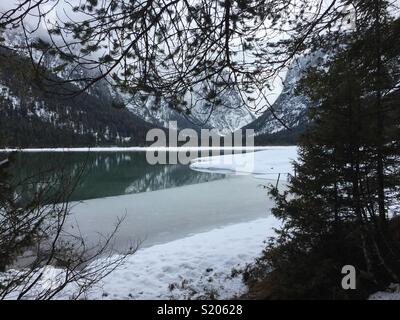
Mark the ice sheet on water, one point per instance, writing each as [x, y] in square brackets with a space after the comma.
[267, 164]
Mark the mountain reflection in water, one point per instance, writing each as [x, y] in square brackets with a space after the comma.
[104, 173]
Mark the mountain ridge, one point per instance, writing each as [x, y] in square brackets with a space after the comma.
[225, 118]
[290, 107]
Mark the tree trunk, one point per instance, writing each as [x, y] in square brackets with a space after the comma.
[379, 118]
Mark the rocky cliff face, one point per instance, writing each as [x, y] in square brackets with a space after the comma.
[289, 107]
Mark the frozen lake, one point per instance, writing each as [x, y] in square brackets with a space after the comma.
[159, 203]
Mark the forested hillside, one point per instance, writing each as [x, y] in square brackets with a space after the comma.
[36, 117]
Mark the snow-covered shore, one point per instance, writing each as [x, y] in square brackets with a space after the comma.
[200, 266]
[192, 267]
[392, 292]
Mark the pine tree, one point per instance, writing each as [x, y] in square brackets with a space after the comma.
[332, 210]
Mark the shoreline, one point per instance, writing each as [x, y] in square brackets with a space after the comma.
[191, 267]
[142, 149]
[194, 210]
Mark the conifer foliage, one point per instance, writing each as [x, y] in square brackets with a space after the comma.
[340, 208]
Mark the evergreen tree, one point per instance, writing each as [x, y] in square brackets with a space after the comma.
[332, 210]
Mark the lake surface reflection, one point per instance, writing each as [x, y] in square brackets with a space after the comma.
[159, 203]
[105, 174]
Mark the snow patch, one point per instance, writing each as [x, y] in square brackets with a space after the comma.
[192, 267]
[391, 293]
[200, 266]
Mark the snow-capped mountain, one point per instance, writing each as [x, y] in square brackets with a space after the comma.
[225, 118]
[289, 107]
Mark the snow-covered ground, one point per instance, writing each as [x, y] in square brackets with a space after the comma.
[203, 265]
[191, 267]
[391, 293]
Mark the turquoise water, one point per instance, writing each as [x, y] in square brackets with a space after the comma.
[101, 174]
